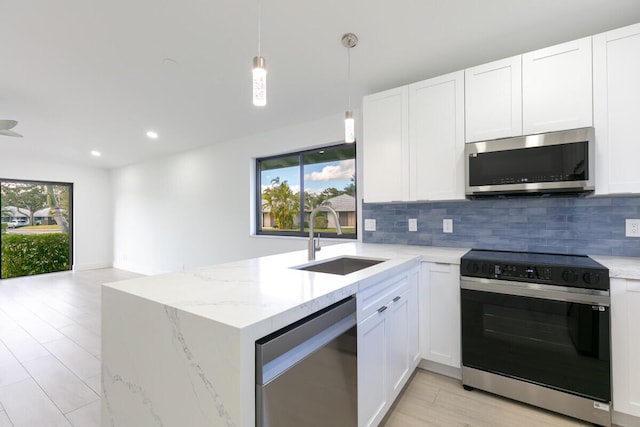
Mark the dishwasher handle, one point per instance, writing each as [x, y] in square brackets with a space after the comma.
[282, 349]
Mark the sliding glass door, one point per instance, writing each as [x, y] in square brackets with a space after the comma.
[36, 230]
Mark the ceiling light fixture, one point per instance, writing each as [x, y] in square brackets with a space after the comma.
[151, 134]
[259, 72]
[96, 153]
[349, 41]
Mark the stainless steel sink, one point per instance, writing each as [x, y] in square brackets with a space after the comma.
[342, 265]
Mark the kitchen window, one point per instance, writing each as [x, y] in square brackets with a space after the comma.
[290, 186]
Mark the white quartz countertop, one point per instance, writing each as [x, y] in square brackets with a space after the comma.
[248, 292]
[267, 290]
[620, 267]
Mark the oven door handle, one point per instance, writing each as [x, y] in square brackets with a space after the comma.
[535, 290]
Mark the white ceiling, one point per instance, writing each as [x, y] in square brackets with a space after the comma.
[82, 75]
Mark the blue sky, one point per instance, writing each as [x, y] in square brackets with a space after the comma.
[318, 176]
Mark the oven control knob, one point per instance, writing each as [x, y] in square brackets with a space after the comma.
[475, 267]
[569, 276]
[586, 278]
[487, 268]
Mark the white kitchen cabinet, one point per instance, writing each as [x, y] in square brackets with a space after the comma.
[557, 88]
[616, 99]
[386, 146]
[436, 138]
[493, 100]
[372, 389]
[387, 343]
[440, 313]
[414, 141]
[625, 345]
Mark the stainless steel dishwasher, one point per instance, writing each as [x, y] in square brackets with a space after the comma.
[306, 373]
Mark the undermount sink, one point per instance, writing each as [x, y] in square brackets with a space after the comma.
[342, 265]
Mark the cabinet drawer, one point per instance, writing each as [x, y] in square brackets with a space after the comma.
[371, 299]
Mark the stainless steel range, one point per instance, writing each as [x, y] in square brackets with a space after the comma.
[536, 328]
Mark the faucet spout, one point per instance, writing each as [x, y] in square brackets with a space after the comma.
[312, 247]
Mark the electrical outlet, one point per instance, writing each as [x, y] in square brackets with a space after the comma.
[632, 228]
[447, 226]
[369, 225]
[413, 224]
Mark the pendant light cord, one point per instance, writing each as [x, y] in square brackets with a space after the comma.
[259, 26]
[349, 78]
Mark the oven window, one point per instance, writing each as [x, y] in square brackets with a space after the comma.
[558, 344]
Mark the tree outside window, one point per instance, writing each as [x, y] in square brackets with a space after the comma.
[292, 185]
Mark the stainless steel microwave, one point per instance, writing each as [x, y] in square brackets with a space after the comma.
[544, 163]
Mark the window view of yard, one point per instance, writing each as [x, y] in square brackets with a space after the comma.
[291, 186]
[35, 228]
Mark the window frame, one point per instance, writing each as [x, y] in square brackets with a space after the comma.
[301, 215]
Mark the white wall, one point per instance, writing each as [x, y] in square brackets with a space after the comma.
[92, 211]
[195, 208]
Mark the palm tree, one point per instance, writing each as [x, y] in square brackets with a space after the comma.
[281, 202]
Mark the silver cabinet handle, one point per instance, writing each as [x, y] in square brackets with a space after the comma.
[383, 308]
[396, 299]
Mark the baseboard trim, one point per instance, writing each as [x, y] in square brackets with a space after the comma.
[439, 368]
[625, 420]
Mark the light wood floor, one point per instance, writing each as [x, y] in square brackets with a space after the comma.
[50, 348]
[50, 365]
[435, 400]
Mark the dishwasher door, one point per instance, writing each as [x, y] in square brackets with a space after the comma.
[306, 373]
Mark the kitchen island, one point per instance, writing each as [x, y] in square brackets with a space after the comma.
[178, 348]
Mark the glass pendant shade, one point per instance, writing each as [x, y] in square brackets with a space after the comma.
[259, 81]
[349, 127]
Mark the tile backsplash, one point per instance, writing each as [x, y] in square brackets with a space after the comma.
[567, 225]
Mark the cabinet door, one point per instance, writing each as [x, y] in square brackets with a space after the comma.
[493, 100]
[616, 99]
[440, 313]
[372, 362]
[414, 321]
[386, 146]
[436, 138]
[625, 345]
[557, 88]
[398, 335]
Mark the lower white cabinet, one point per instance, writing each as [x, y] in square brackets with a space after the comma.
[387, 343]
[625, 345]
[440, 313]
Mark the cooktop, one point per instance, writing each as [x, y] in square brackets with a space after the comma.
[577, 271]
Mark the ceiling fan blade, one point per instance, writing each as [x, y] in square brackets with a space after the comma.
[7, 124]
[10, 133]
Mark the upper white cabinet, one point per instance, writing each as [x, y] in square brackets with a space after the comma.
[616, 99]
[386, 146]
[493, 100]
[625, 345]
[557, 88]
[541, 91]
[436, 138]
[414, 141]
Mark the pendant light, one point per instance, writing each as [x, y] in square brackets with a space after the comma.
[349, 41]
[259, 73]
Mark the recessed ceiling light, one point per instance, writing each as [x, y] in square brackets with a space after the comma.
[95, 153]
[151, 134]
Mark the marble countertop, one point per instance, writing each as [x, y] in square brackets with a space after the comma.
[267, 292]
[252, 291]
[620, 267]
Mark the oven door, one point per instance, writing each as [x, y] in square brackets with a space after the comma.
[546, 335]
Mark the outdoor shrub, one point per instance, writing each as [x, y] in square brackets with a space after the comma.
[27, 254]
[320, 222]
[3, 228]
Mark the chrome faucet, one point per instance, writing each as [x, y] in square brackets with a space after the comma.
[313, 244]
